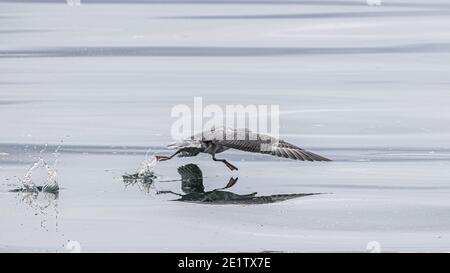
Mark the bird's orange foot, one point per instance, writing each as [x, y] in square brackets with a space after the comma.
[162, 158]
[231, 167]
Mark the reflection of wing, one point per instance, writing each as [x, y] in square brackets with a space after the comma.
[226, 197]
[274, 198]
[191, 179]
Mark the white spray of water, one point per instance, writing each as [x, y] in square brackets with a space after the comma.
[147, 166]
[51, 182]
[27, 180]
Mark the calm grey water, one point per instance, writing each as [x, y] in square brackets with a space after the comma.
[365, 86]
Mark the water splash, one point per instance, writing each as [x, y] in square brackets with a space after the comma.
[144, 177]
[43, 204]
[147, 166]
[39, 189]
[27, 179]
[49, 183]
[40, 198]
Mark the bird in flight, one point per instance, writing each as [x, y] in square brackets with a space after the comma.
[217, 140]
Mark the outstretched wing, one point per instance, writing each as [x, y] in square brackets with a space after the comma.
[279, 148]
[285, 149]
[248, 141]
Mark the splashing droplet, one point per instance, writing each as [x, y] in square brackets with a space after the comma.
[146, 167]
[50, 183]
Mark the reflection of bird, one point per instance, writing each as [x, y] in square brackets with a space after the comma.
[192, 186]
[221, 139]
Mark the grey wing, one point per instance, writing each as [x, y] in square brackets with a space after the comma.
[246, 140]
[278, 148]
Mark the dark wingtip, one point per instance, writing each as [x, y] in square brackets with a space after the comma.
[317, 157]
[326, 159]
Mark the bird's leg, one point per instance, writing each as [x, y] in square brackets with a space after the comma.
[230, 183]
[164, 158]
[228, 164]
